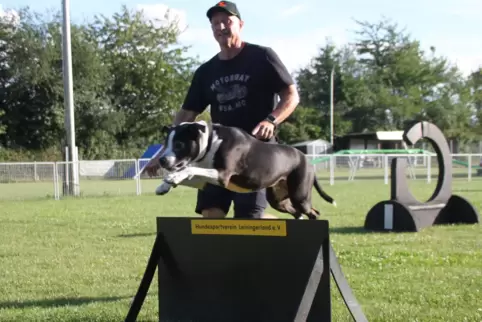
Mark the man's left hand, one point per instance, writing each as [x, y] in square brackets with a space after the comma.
[264, 130]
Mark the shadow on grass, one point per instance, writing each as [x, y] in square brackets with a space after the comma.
[59, 302]
[136, 235]
[349, 230]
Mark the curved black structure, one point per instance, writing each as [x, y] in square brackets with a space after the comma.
[403, 212]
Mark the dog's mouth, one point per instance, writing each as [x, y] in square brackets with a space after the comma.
[180, 166]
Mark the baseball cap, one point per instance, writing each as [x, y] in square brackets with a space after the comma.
[226, 6]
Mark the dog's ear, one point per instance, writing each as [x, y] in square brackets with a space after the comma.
[201, 126]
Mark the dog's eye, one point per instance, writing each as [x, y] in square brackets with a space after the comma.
[178, 145]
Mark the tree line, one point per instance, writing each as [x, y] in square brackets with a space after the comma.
[130, 75]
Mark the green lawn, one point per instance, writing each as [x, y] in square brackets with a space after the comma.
[83, 259]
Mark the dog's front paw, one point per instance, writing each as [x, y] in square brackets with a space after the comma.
[163, 189]
[175, 178]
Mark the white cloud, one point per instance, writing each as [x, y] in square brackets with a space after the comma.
[198, 35]
[461, 50]
[466, 63]
[461, 8]
[298, 50]
[201, 41]
[292, 10]
[159, 11]
[189, 35]
[9, 15]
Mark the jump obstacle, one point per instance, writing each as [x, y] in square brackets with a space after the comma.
[212, 270]
[403, 212]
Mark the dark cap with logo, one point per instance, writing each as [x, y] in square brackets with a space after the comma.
[224, 6]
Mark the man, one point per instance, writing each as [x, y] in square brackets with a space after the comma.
[240, 84]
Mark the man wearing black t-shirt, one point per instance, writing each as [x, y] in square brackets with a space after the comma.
[239, 84]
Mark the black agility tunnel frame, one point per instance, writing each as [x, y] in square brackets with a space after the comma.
[243, 270]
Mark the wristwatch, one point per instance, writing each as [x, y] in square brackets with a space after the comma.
[270, 118]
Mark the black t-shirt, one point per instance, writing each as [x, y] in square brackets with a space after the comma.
[240, 91]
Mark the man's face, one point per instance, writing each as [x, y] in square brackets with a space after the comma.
[226, 28]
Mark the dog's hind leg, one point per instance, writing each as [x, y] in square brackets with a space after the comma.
[279, 200]
[300, 195]
[304, 207]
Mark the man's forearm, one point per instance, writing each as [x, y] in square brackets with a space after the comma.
[185, 116]
[289, 100]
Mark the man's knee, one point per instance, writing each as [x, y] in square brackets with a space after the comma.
[250, 205]
[213, 202]
[213, 213]
[268, 216]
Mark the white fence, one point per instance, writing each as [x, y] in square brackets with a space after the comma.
[22, 180]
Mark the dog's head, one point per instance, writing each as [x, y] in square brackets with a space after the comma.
[184, 143]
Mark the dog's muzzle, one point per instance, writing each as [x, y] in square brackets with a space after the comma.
[167, 162]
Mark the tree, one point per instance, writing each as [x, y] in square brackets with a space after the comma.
[409, 84]
[383, 81]
[129, 77]
[475, 85]
[149, 72]
[312, 118]
[302, 125]
[29, 86]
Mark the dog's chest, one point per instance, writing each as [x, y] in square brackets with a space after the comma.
[208, 160]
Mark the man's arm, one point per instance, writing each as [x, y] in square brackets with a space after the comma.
[195, 102]
[289, 100]
[284, 85]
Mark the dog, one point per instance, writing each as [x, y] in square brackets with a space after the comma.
[197, 153]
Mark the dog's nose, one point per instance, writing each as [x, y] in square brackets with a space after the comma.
[167, 161]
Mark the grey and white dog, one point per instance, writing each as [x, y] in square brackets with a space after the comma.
[196, 153]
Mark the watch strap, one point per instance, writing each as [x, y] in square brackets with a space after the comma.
[270, 118]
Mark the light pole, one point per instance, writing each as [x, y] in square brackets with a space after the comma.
[71, 177]
[332, 93]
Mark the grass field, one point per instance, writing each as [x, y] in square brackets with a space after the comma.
[83, 259]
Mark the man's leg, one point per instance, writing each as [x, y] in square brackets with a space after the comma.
[213, 201]
[251, 205]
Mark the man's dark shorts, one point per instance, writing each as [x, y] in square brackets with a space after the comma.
[246, 205]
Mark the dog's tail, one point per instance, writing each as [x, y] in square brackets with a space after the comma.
[322, 193]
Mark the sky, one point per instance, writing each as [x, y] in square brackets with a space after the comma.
[296, 30]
